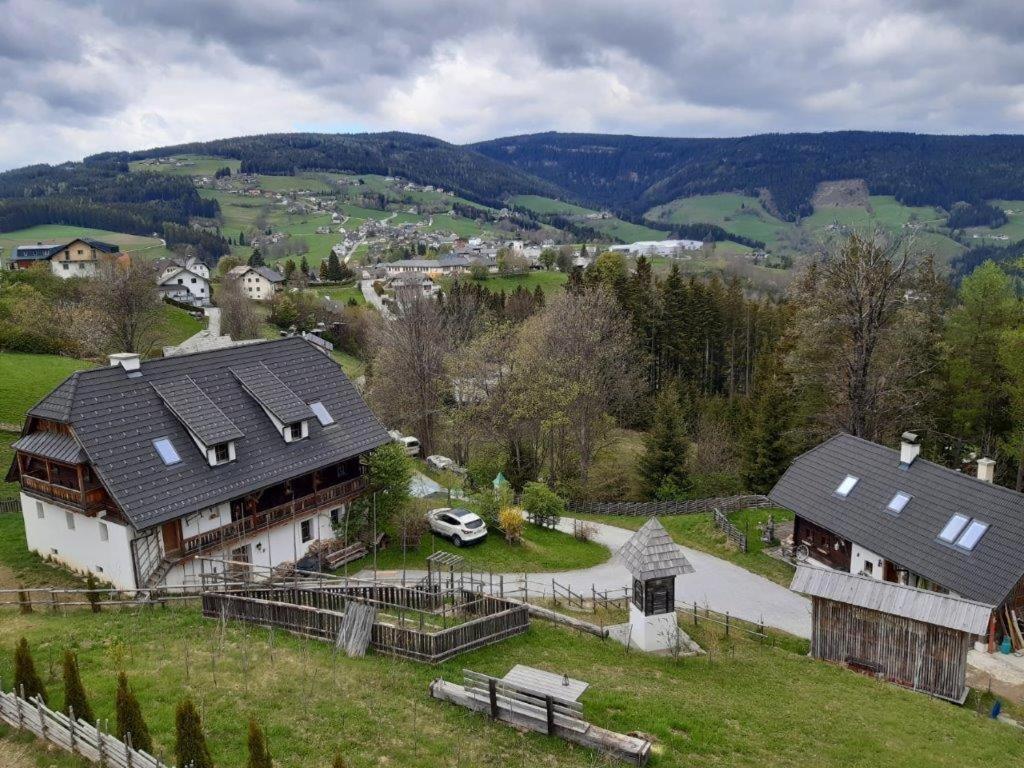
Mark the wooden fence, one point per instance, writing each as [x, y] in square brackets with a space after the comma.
[10, 506]
[697, 614]
[732, 533]
[75, 736]
[655, 508]
[415, 635]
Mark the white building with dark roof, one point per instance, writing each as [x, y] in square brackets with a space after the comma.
[258, 283]
[145, 473]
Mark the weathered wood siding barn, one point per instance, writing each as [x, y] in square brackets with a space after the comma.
[912, 637]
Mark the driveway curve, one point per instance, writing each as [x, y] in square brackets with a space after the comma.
[715, 583]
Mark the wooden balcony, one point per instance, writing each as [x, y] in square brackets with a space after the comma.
[263, 519]
[84, 499]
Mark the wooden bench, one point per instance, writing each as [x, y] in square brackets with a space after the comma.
[340, 557]
[539, 708]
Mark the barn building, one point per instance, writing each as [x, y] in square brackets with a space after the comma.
[145, 472]
[889, 515]
[916, 638]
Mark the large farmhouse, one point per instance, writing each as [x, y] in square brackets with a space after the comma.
[78, 258]
[890, 515]
[143, 473]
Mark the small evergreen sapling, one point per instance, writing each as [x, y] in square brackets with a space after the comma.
[129, 717]
[190, 746]
[27, 682]
[259, 756]
[75, 699]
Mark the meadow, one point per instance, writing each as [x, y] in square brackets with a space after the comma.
[549, 282]
[744, 704]
[197, 165]
[26, 379]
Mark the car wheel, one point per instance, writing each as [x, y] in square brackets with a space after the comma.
[457, 540]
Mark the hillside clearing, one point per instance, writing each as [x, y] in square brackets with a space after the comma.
[25, 379]
[149, 247]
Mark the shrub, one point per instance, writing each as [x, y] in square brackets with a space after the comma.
[510, 520]
[339, 761]
[543, 506]
[584, 531]
[190, 745]
[93, 593]
[27, 682]
[129, 717]
[24, 602]
[259, 757]
[75, 699]
[490, 502]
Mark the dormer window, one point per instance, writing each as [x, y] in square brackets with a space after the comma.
[222, 453]
[295, 431]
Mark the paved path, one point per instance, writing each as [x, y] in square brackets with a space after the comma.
[366, 286]
[213, 318]
[716, 583]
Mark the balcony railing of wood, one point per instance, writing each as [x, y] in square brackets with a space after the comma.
[267, 518]
[86, 499]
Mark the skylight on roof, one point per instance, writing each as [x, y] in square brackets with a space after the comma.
[898, 502]
[167, 452]
[321, 413]
[953, 528]
[972, 535]
[847, 485]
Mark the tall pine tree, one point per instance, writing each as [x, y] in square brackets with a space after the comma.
[662, 466]
[256, 258]
[27, 682]
[765, 449]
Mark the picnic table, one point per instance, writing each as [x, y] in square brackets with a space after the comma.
[545, 683]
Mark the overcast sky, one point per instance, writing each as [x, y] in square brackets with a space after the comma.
[79, 77]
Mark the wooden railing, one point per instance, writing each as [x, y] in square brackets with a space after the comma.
[260, 521]
[732, 533]
[656, 508]
[84, 498]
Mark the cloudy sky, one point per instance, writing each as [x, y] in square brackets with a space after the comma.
[85, 76]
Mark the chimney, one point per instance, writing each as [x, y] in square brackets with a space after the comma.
[910, 448]
[130, 361]
[986, 470]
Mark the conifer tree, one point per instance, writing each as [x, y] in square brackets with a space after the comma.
[259, 757]
[241, 238]
[538, 298]
[289, 268]
[339, 761]
[323, 271]
[75, 699]
[256, 258]
[335, 270]
[765, 449]
[304, 265]
[129, 717]
[27, 682]
[190, 745]
[662, 466]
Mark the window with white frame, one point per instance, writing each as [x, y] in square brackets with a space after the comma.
[306, 530]
[848, 484]
[953, 528]
[898, 502]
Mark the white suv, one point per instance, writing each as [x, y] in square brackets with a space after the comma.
[460, 526]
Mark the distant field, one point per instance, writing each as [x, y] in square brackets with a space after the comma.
[314, 182]
[1013, 229]
[539, 204]
[25, 379]
[196, 165]
[150, 247]
[459, 226]
[549, 282]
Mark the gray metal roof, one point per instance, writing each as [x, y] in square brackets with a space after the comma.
[116, 418]
[650, 553]
[197, 411]
[896, 599]
[56, 406]
[270, 274]
[272, 393]
[910, 539]
[51, 445]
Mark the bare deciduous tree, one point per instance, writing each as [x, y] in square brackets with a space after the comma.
[124, 300]
[238, 316]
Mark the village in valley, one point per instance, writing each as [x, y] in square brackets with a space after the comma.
[326, 443]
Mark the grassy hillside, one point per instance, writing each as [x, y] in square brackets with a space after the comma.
[186, 165]
[150, 247]
[549, 282]
[26, 379]
[745, 705]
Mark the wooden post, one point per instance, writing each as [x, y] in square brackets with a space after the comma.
[726, 623]
[549, 705]
[42, 718]
[492, 687]
[100, 744]
[71, 728]
[695, 613]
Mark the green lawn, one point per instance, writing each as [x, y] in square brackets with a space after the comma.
[343, 293]
[179, 325]
[7, 490]
[541, 550]
[150, 247]
[25, 379]
[549, 282]
[699, 532]
[744, 705]
[197, 165]
[350, 364]
[18, 566]
[544, 205]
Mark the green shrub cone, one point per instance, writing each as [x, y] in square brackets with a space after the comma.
[129, 717]
[259, 757]
[27, 682]
[75, 699]
[190, 747]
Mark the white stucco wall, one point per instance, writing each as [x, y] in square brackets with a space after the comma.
[859, 556]
[74, 268]
[81, 549]
[652, 633]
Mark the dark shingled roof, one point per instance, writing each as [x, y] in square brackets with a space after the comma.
[51, 445]
[56, 406]
[116, 418]
[650, 553]
[910, 539]
[197, 411]
[272, 393]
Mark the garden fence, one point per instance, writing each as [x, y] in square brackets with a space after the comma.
[71, 734]
[9, 506]
[655, 508]
[732, 533]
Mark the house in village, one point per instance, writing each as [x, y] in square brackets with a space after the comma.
[442, 267]
[78, 258]
[185, 280]
[258, 283]
[145, 472]
[408, 287]
[889, 515]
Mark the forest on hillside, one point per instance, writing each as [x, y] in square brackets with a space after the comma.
[421, 159]
[635, 173]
